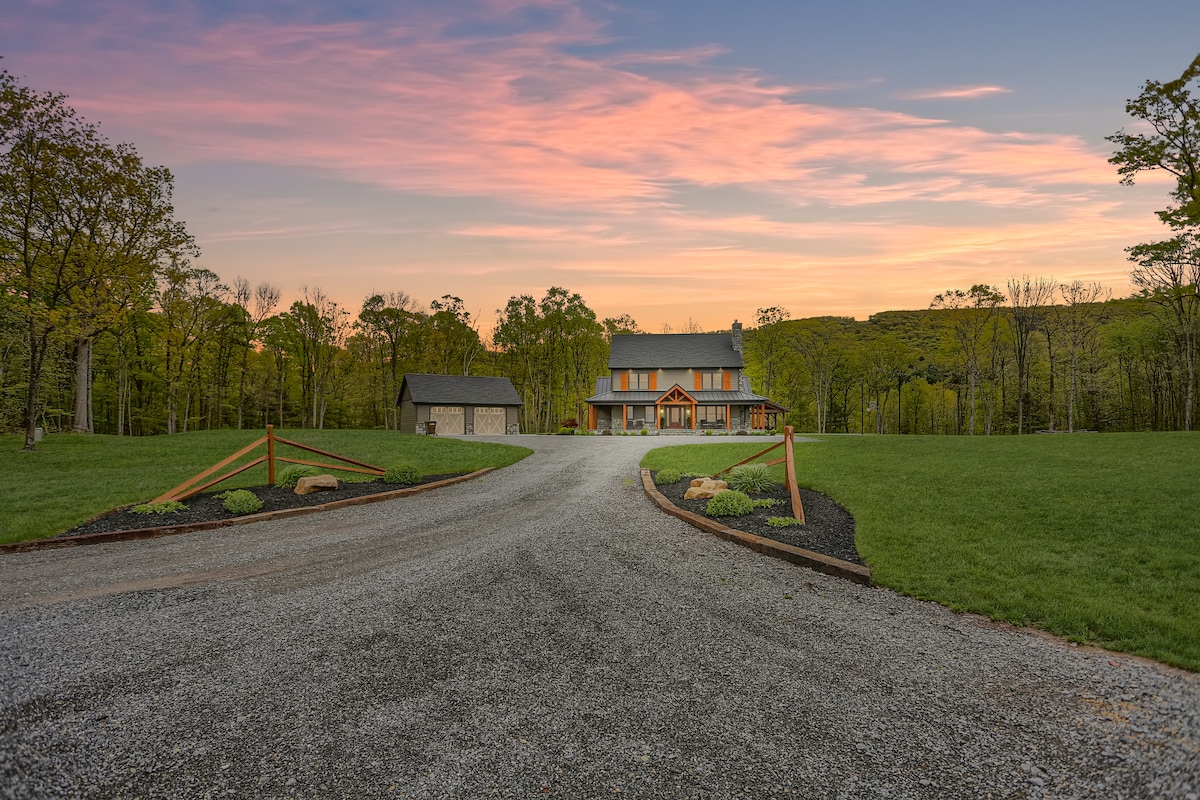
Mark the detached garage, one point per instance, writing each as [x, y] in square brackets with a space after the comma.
[458, 405]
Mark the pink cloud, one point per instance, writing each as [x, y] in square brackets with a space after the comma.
[958, 93]
[408, 106]
[596, 154]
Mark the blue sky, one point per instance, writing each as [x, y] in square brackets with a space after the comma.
[672, 160]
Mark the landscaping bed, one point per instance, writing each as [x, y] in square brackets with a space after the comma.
[208, 507]
[829, 528]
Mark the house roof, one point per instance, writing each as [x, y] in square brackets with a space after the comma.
[459, 390]
[673, 351]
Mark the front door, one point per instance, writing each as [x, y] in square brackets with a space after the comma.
[674, 416]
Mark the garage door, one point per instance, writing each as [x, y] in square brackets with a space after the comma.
[449, 419]
[489, 421]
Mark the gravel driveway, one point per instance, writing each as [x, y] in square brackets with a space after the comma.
[543, 631]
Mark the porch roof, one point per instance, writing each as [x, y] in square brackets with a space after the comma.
[703, 398]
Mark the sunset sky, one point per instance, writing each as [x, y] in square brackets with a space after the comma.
[670, 159]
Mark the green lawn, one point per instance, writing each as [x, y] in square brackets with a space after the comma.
[70, 479]
[1095, 537]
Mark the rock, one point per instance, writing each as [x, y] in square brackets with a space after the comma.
[316, 483]
[705, 489]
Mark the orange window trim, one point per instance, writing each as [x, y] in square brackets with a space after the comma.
[625, 381]
[699, 381]
[726, 377]
[653, 381]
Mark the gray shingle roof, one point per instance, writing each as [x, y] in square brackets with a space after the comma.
[673, 351]
[459, 390]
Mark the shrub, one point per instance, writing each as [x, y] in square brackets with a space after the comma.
[169, 507]
[766, 502]
[570, 422]
[288, 477]
[729, 503]
[402, 473]
[751, 478]
[565, 431]
[708, 431]
[782, 522]
[644, 432]
[665, 476]
[240, 501]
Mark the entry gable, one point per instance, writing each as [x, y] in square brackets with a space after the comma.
[675, 394]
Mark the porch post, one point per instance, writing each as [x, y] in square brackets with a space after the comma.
[727, 408]
[624, 416]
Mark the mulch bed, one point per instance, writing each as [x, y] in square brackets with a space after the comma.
[206, 507]
[829, 528]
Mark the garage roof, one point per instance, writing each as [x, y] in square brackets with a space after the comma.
[459, 390]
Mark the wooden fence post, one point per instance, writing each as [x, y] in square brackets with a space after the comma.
[790, 471]
[271, 455]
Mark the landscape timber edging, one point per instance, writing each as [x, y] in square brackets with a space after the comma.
[760, 544]
[132, 534]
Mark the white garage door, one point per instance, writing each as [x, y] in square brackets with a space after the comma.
[489, 421]
[449, 419]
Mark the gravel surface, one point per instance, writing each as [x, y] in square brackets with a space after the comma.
[543, 631]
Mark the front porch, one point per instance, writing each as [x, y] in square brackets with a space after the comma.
[674, 415]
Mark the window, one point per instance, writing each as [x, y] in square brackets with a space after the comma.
[711, 415]
[712, 380]
[639, 381]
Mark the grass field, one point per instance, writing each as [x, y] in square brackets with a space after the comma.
[1095, 537]
[70, 479]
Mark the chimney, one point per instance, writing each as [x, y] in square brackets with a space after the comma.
[737, 337]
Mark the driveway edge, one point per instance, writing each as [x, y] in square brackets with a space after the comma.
[134, 534]
[768, 547]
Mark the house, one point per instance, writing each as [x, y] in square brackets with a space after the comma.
[459, 404]
[678, 382]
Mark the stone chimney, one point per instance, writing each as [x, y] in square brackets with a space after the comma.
[737, 336]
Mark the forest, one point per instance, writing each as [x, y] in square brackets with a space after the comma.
[109, 325]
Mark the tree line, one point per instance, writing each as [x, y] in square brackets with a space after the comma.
[108, 325]
[1033, 356]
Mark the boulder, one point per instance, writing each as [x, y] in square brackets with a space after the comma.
[316, 483]
[705, 489]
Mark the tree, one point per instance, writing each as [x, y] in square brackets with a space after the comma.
[1025, 296]
[189, 302]
[315, 330]
[1168, 274]
[619, 326]
[83, 226]
[768, 345]
[1173, 145]
[821, 345]
[1080, 327]
[452, 337]
[552, 349]
[969, 313]
[393, 320]
[266, 297]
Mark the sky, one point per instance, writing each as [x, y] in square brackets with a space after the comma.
[674, 160]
